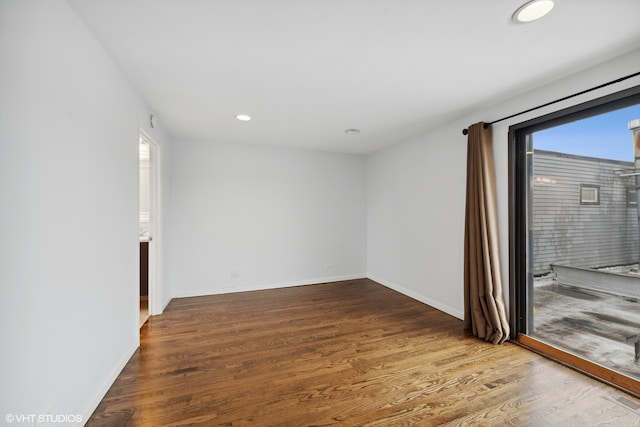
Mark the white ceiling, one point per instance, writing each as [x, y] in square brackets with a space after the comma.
[306, 70]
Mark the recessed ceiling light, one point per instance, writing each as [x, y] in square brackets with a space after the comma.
[243, 117]
[532, 10]
[352, 131]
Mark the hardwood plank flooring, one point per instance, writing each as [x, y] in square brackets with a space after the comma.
[351, 353]
[144, 309]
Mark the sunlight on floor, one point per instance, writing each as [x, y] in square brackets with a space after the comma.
[144, 309]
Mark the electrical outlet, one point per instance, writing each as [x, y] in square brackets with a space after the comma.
[328, 266]
[235, 274]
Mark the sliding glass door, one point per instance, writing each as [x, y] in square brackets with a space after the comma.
[575, 246]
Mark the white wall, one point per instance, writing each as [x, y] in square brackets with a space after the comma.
[69, 127]
[415, 219]
[415, 193]
[275, 216]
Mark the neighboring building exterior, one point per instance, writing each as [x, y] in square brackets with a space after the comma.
[584, 212]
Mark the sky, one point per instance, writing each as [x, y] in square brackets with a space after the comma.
[606, 136]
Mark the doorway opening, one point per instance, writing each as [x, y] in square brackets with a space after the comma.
[149, 227]
[144, 233]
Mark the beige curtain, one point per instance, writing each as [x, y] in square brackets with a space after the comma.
[484, 311]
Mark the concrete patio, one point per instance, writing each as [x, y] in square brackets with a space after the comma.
[595, 325]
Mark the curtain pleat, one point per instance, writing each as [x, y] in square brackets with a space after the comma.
[485, 312]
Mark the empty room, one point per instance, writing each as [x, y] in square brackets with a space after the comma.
[304, 213]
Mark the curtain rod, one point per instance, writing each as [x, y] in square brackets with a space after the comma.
[621, 79]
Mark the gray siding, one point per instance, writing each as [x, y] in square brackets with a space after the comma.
[568, 233]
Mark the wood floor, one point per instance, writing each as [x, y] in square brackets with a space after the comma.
[350, 354]
[144, 309]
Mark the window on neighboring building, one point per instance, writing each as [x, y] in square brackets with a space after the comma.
[632, 196]
[589, 194]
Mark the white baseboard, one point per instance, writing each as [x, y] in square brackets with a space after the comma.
[228, 290]
[164, 305]
[93, 404]
[419, 297]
